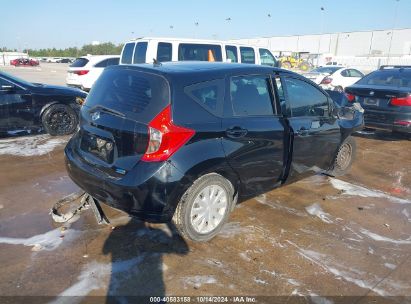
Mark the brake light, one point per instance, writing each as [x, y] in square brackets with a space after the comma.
[402, 101]
[404, 123]
[326, 80]
[81, 72]
[350, 97]
[165, 138]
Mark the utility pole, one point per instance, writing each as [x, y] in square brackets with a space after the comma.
[321, 33]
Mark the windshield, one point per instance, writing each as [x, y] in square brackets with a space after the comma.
[16, 79]
[328, 70]
[388, 78]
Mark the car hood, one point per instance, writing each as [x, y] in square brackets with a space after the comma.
[40, 88]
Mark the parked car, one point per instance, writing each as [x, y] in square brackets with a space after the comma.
[33, 106]
[84, 71]
[184, 141]
[385, 95]
[24, 62]
[334, 77]
[150, 49]
[53, 59]
[65, 60]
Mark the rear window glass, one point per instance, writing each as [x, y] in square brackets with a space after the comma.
[139, 95]
[140, 53]
[209, 95]
[199, 52]
[79, 63]
[247, 55]
[127, 55]
[388, 78]
[164, 51]
[328, 70]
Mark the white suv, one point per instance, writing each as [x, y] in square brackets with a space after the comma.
[85, 70]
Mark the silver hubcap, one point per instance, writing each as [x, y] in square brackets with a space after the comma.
[208, 209]
[344, 156]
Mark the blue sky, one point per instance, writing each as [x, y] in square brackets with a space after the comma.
[58, 23]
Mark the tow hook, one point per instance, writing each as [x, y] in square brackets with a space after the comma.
[86, 202]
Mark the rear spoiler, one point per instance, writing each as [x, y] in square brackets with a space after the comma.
[384, 67]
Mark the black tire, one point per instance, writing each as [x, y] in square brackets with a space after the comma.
[344, 158]
[182, 215]
[59, 119]
[339, 89]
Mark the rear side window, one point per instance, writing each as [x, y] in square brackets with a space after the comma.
[231, 53]
[79, 63]
[305, 99]
[140, 52]
[138, 95]
[127, 55]
[208, 94]
[355, 73]
[199, 52]
[107, 62]
[266, 57]
[247, 55]
[388, 78]
[164, 51]
[251, 95]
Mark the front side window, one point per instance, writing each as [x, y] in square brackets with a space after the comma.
[247, 55]
[164, 51]
[199, 52]
[231, 53]
[251, 95]
[140, 52]
[127, 55]
[266, 57]
[305, 99]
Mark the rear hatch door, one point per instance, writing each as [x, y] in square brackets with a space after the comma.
[114, 120]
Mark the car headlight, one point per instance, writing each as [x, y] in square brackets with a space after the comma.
[80, 100]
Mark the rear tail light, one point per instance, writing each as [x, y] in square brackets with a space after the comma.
[81, 72]
[402, 101]
[326, 80]
[404, 123]
[165, 138]
[350, 97]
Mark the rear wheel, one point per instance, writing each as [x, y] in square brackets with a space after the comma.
[344, 158]
[204, 208]
[59, 119]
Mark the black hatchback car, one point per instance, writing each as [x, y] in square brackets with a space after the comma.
[385, 95]
[35, 106]
[184, 141]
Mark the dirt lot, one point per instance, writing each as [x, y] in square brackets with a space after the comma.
[321, 238]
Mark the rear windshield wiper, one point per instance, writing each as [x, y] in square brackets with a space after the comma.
[111, 111]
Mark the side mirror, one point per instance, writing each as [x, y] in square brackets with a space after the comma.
[8, 88]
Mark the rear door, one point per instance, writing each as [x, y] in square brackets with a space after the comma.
[316, 133]
[115, 118]
[254, 133]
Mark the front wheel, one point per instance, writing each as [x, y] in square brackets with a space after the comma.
[344, 158]
[59, 119]
[204, 208]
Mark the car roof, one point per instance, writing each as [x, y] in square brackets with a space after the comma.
[201, 67]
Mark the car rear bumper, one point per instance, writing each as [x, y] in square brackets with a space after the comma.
[391, 121]
[149, 191]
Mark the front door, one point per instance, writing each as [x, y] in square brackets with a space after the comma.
[316, 133]
[254, 134]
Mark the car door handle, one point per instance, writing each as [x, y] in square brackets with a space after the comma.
[236, 132]
[302, 131]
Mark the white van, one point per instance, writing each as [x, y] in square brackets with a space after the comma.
[146, 50]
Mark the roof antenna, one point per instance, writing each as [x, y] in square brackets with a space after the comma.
[156, 62]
